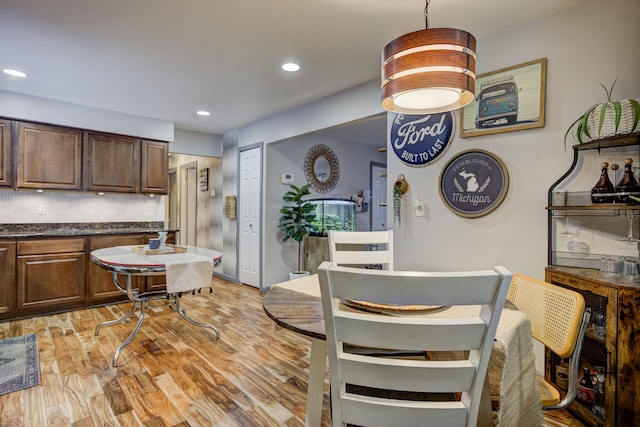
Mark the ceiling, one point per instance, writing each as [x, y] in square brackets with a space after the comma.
[166, 59]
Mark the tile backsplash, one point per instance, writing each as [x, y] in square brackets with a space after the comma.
[28, 206]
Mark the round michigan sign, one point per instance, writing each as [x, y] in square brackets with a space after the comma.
[418, 140]
[474, 183]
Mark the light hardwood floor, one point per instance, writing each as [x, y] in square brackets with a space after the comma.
[173, 373]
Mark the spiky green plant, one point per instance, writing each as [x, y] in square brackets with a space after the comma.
[296, 216]
[580, 126]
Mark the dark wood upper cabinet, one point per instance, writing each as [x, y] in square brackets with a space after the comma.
[154, 167]
[111, 163]
[48, 156]
[6, 177]
[43, 156]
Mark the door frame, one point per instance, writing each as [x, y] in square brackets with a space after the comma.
[261, 216]
[173, 200]
[182, 204]
[373, 165]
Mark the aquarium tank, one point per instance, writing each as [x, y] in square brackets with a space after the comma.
[333, 214]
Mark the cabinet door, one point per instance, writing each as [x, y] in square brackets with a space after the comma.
[111, 163]
[7, 276]
[6, 177]
[49, 156]
[100, 286]
[154, 167]
[600, 344]
[628, 361]
[50, 279]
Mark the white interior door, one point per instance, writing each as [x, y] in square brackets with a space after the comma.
[249, 216]
[188, 204]
[378, 197]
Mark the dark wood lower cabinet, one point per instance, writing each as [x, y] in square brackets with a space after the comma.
[611, 344]
[7, 277]
[100, 286]
[50, 273]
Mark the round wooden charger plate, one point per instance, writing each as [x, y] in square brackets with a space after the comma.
[391, 309]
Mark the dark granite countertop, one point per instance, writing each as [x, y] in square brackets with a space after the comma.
[17, 231]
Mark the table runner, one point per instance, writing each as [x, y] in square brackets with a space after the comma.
[185, 271]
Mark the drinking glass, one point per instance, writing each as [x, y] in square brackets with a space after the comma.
[162, 236]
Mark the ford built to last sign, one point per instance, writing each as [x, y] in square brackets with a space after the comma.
[419, 140]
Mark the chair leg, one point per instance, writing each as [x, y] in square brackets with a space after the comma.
[183, 314]
[315, 388]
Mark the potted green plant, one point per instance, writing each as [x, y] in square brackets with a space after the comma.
[605, 120]
[296, 219]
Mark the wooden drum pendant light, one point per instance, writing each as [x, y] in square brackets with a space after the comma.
[429, 71]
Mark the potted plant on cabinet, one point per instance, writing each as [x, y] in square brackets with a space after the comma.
[606, 120]
[295, 220]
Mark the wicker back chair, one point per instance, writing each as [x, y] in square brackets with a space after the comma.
[558, 320]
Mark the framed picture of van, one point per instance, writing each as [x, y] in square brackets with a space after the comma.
[507, 100]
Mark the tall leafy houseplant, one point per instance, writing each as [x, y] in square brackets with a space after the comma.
[607, 119]
[296, 217]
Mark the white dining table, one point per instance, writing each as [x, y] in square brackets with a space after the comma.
[129, 261]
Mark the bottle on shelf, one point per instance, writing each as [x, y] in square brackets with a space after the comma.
[628, 184]
[585, 387]
[601, 192]
[598, 399]
[562, 374]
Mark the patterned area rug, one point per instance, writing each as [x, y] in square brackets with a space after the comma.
[19, 367]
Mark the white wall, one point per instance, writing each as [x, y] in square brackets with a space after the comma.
[347, 106]
[24, 107]
[595, 41]
[288, 156]
[197, 143]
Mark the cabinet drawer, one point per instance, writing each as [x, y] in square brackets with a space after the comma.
[50, 280]
[52, 246]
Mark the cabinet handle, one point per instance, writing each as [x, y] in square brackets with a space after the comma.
[609, 369]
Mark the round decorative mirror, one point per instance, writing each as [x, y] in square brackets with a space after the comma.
[321, 168]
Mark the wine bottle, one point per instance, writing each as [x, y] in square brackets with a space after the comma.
[585, 387]
[603, 190]
[562, 374]
[628, 184]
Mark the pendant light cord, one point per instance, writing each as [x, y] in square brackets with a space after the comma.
[426, 14]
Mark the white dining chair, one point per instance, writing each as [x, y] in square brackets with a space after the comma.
[468, 330]
[366, 249]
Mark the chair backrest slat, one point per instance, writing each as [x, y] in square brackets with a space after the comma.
[362, 248]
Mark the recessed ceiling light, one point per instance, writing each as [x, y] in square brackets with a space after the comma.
[203, 113]
[290, 66]
[14, 73]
